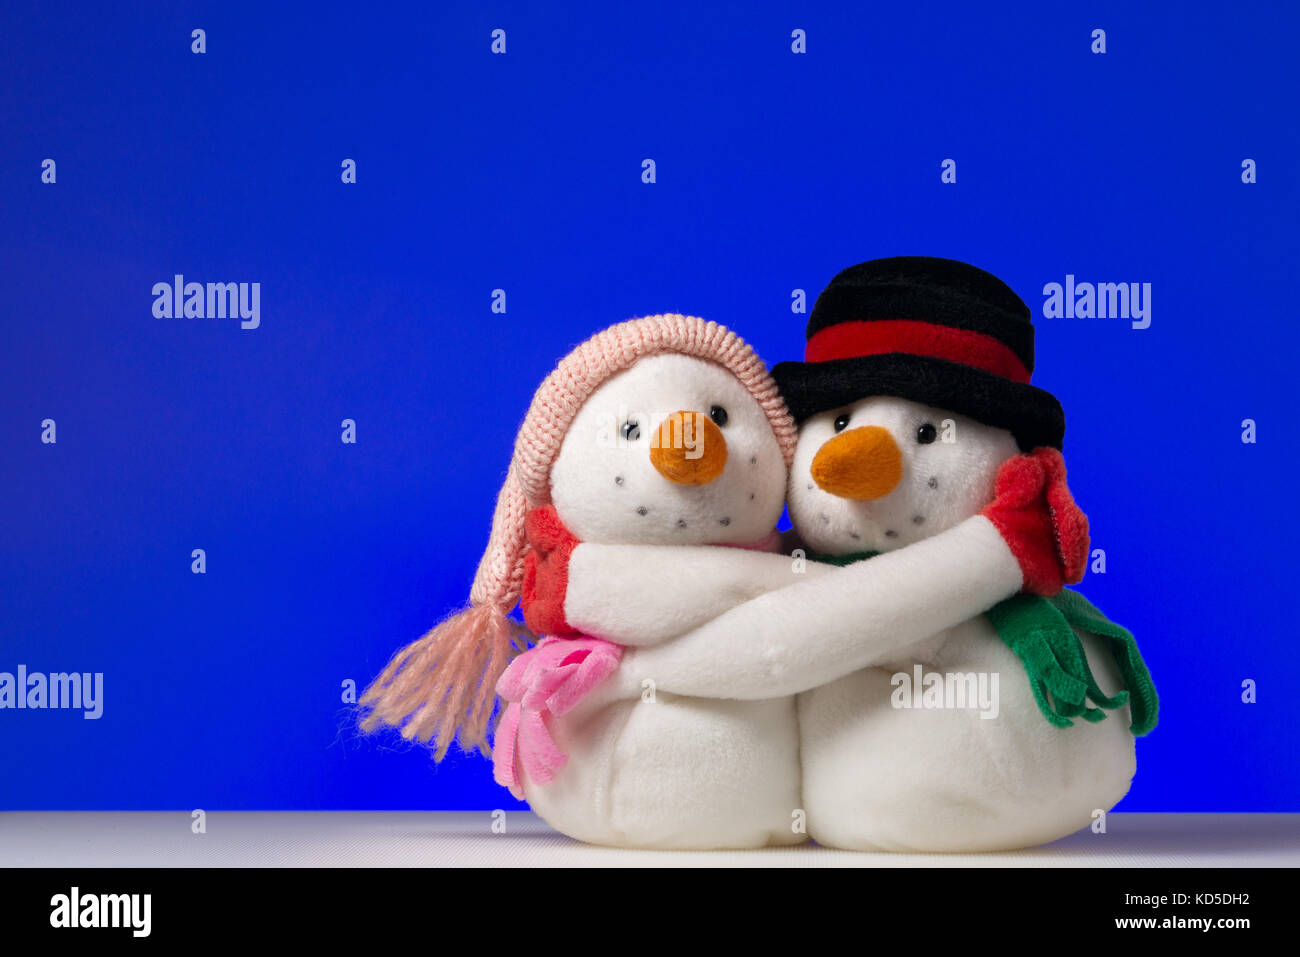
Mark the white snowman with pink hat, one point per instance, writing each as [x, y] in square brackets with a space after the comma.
[658, 434]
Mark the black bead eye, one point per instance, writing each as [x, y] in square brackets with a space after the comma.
[718, 414]
[630, 430]
[926, 434]
[841, 422]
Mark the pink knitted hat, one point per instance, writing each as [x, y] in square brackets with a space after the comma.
[443, 685]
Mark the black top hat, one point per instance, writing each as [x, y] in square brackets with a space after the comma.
[936, 331]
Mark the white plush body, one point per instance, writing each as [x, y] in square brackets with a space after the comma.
[878, 777]
[684, 772]
[666, 770]
[720, 753]
[726, 638]
[712, 760]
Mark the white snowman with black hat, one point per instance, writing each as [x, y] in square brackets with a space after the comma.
[916, 412]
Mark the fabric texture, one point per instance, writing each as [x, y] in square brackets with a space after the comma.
[862, 337]
[549, 680]
[439, 688]
[946, 291]
[693, 742]
[861, 464]
[1050, 543]
[562, 393]
[546, 573]
[1041, 631]
[936, 331]
[823, 623]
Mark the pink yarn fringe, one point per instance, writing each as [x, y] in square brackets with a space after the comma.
[441, 687]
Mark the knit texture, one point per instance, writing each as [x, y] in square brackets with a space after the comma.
[1041, 632]
[546, 573]
[944, 291]
[1051, 544]
[936, 331]
[441, 687]
[563, 393]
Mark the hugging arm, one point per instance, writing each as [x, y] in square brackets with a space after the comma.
[840, 620]
[641, 595]
[1030, 536]
[807, 634]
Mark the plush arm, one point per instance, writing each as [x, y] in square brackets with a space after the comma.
[807, 634]
[645, 594]
[838, 621]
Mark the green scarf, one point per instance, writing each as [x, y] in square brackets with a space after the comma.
[1041, 632]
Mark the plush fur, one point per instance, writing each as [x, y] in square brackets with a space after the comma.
[693, 742]
[635, 595]
[442, 687]
[944, 482]
[1029, 413]
[950, 310]
[675, 772]
[861, 463]
[710, 757]
[707, 754]
[679, 772]
[871, 776]
[943, 291]
[821, 628]
[606, 489]
[546, 572]
[878, 777]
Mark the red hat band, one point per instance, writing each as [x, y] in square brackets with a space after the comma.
[871, 337]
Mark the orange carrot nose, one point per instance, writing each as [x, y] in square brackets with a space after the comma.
[688, 449]
[862, 464]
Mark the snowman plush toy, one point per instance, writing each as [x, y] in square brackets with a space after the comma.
[916, 411]
[656, 454]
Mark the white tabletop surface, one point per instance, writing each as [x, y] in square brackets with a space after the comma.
[441, 838]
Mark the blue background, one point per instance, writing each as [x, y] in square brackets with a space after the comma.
[523, 172]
